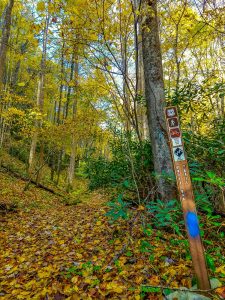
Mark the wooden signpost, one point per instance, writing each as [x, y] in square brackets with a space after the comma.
[187, 197]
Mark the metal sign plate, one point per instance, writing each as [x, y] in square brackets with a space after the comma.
[178, 153]
[171, 112]
[173, 122]
[175, 132]
[176, 141]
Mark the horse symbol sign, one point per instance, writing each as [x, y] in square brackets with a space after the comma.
[175, 132]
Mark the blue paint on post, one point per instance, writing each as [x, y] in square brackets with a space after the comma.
[192, 224]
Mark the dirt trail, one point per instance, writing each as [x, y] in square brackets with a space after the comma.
[52, 251]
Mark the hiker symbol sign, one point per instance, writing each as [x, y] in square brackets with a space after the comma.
[173, 122]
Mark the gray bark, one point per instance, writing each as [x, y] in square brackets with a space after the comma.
[40, 95]
[141, 109]
[6, 26]
[66, 108]
[5, 39]
[71, 167]
[155, 97]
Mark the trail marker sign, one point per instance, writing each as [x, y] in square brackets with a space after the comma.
[175, 133]
[187, 197]
[173, 122]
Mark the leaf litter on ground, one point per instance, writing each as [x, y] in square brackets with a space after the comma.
[49, 250]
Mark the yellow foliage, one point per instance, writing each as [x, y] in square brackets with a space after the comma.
[41, 6]
[115, 287]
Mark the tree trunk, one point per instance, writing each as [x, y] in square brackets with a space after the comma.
[32, 152]
[16, 70]
[59, 165]
[40, 97]
[222, 107]
[140, 84]
[5, 40]
[71, 168]
[61, 84]
[155, 97]
[66, 107]
[3, 51]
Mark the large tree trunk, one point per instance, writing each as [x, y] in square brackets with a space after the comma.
[155, 97]
[59, 121]
[140, 84]
[40, 99]
[5, 40]
[71, 167]
[35, 134]
[6, 26]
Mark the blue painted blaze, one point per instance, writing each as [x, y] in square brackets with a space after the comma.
[192, 224]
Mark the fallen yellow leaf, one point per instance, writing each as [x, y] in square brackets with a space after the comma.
[115, 287]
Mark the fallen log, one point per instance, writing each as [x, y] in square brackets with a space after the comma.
[29, 180]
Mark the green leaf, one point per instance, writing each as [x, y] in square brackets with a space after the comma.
[21, 84]
[129, 253]
[126, 184]
[198, 179]
[210, 263]
[149, 289]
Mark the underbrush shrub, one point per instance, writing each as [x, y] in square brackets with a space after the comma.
[18, 152]
[129, 171]
[204, 137]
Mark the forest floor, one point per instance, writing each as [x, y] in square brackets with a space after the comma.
[49, 250]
